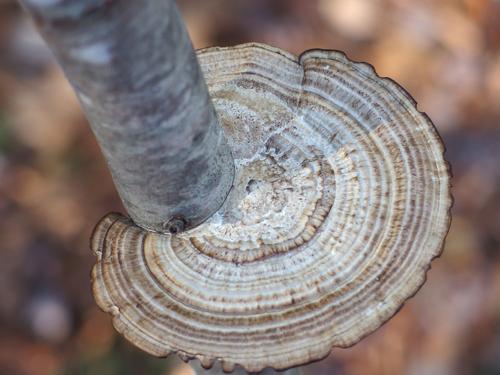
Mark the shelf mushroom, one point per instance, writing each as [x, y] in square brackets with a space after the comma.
[340, 202]
[297, 219]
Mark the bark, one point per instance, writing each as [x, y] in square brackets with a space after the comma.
[136, 75]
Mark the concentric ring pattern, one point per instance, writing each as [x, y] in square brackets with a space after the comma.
[340, 202]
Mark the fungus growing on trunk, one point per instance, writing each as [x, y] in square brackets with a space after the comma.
[298, 219]
[339, 204]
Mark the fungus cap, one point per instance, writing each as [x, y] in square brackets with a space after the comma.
[340, 203]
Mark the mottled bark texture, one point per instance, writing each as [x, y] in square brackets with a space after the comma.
[137, 77]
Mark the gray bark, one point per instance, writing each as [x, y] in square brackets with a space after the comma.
[136, 75]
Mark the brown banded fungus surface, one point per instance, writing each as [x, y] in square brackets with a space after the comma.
[340, 202]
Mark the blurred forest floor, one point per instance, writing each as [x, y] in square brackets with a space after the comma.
[54, 185]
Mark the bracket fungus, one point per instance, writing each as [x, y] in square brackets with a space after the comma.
[340, 202]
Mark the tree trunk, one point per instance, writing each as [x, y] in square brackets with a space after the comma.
[136, 75]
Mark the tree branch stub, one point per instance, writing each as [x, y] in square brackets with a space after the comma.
[138, 80]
